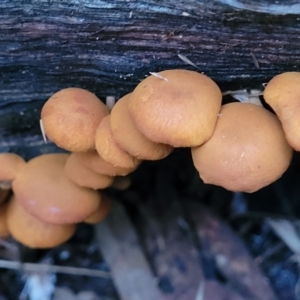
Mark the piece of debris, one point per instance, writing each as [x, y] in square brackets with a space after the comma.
[188, 61]
[119, 245]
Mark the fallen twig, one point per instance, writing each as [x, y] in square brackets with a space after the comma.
[45, 268]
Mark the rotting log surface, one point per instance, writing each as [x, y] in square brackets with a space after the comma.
[109, 46]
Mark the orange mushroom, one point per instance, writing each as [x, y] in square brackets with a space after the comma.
[44, 190]
[130, 139]
[109, 149]
[176, 107]
[70, 118]
[85, 177]
[102, 211]
[33, 232]
[247, 151]
[93, 161]
[282, 93]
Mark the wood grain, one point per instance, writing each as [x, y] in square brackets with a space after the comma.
[109, 46]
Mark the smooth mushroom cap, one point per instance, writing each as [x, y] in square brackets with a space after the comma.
[4, 231]
[32, 232]
[70, 118]
[96, 163]
[10, 165]
[85, 177]
[44, 190]
[109, 150]
[247, 151]
[179, 109]
[103, 210]
[283, 94]
[130, 139]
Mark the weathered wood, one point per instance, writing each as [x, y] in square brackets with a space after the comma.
[169, 244]
[119, 245]
[232, 260]
[109, 46]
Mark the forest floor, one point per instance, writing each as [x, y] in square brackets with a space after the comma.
[199, 241]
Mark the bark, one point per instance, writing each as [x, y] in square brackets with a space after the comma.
[107, 47]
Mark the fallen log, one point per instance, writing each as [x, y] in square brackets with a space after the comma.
[108, 47]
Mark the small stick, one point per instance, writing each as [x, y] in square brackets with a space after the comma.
[158, 76]
[34, 267]
[8, 245]
[186, 60]
[43, 131]
[286, 231]
[256, 63]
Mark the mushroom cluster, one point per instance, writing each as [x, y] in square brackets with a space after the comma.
[39, 205]
[239, 146]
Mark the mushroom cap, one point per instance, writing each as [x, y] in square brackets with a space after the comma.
[283, 94]
[102, 211]
[96, 163]
[179, 110]
[32, 232]
[130, 139]
[247, 151]
[11, 164]
[109, 150]
[44, 190]
[85, 177]
[70, 118]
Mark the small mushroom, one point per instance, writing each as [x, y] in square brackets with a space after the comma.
[282, 93]
[109, 150]
[130, 139]
[102, 211]
[44, 190]
[96, 163]
[85, 177]
[247, 151]
[70, 118]
[176, 107]
[32, 232]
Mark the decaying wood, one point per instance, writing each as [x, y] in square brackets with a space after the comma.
[220, 244]
[168, 242]
[109, 46]
[175, 258]
[119, 245]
